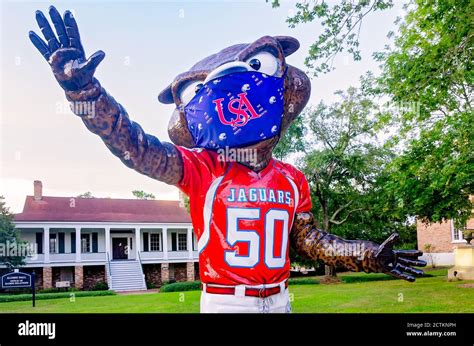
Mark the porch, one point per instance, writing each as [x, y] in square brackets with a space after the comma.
[87, 244]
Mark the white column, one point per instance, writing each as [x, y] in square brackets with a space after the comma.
[46, 244]
[78, 244]
[107, 241]
[138, 242]
[165, 242]
[190, 243]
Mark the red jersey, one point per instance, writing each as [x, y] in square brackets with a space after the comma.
[241, 218]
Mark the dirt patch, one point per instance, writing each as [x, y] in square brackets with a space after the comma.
[466, 285]
[329, 280]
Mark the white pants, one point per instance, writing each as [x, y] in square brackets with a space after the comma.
[240, 303]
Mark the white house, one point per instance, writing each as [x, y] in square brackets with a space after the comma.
[127, 243]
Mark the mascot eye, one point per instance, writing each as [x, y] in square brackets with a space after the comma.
[189, 90]
[255, 64]
[264, 62]
[198, 87]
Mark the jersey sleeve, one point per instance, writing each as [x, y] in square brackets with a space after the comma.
[200, 167]
[304, 203]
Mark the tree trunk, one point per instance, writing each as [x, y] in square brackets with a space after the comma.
[330, 275]
[329, 271]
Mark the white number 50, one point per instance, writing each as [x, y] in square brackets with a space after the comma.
[236, 235]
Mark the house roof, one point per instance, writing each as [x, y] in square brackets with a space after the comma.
[102, 210]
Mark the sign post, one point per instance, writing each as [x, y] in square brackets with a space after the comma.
[17, 279]
[33, 290]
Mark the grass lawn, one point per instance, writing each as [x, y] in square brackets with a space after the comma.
[430, 294]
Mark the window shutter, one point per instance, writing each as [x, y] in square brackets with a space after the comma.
[95, 242]
[174, 245]
[73, 242]
[61, 242]
[145, 241]
[39, 242]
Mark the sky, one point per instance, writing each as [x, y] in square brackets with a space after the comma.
[146, 43]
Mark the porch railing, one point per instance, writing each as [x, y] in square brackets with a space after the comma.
[141, 265]
[109, 271]
[105, 257]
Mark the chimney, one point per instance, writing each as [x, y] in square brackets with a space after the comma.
[38, 190]
[181, 199]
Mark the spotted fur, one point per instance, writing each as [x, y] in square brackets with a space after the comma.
[312, 243]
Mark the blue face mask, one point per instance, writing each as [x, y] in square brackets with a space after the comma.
[236, 110]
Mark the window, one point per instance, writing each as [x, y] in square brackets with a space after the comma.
[195, 242]
[39, 242]
[155, 242]
[85, 243]
[65, 274]
[456, 234]
[53, 243]
[182, 242]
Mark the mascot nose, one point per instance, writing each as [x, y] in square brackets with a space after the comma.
[227, 68]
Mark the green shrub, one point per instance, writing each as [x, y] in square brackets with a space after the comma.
[150, 285]
[312, 280]
[181, 286]
[369, 277]
[57, 290]
[364, 278]
[57, 295]
[48, 290]
[15, 291]
[304, 281]
[100, 286]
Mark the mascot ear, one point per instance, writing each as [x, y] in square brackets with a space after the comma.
[288, 44]
[166, 96]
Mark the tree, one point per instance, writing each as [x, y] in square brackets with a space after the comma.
[428, 78]
[346, 170]
[187, 204]
[87, 194]
[341, 24]
[430, 68]
[9, 238]
[139, 194]
[434, 176]
[292, 141]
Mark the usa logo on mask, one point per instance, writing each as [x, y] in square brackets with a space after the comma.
[241, 107]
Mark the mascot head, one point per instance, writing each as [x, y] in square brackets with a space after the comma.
[244, 96]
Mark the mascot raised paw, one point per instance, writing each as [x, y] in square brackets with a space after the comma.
[247, 208]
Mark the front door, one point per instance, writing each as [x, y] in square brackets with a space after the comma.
[119, 248]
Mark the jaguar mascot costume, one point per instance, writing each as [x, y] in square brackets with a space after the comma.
[247, 208]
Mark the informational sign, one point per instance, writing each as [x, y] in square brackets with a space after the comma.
[63, 284]
[16, 280]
